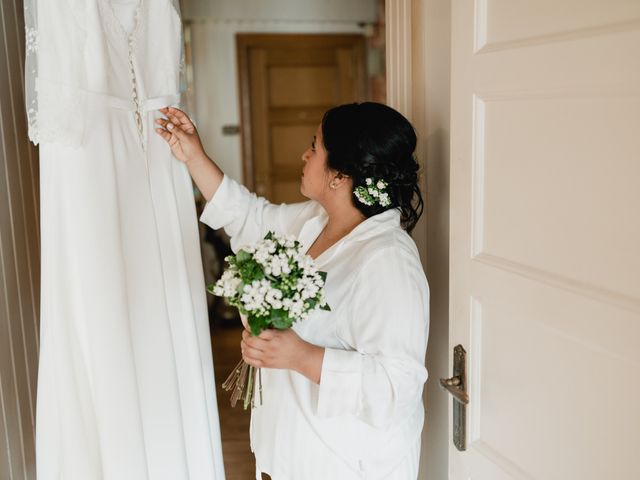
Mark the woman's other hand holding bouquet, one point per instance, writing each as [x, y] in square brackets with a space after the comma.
[282, 349]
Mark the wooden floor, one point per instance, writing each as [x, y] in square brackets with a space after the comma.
[239, 463]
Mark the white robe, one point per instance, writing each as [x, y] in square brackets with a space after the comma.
[126, 386]
[365, 418]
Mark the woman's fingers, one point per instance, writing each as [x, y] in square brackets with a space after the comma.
[254, 362]
[168, 124]
[171, 116]
[172, 111]
[178, 117]
[173, 119]
[175, 130]
[253, 342]
[169, 135]
[255, 348]
[268, 334]
[251, 352]
[250, 348]
[163, 133]
[182, 117]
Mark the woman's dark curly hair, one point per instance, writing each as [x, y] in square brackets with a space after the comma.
[373, 140]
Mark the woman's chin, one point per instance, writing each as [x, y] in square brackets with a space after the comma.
[303, 191]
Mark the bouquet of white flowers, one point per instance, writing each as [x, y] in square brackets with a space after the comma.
[273, 284]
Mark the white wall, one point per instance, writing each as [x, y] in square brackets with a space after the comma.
[283, 10]
[214, 26]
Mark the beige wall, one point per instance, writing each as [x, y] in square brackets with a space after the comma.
[19, 257]
[434, 19]
[418, 77]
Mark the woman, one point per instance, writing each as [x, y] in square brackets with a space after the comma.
[343, 389]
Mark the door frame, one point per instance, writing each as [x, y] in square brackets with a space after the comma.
[244, 43]
[416, 33]
[406, 79]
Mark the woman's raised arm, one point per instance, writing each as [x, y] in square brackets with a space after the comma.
[245, 216]
[182, 136]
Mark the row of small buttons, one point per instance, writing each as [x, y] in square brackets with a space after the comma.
[134, 88]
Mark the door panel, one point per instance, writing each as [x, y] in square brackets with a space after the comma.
[533, 182]
[289, 141]
[505, 21]
[545, 290]
[302, 86]
[283, 190]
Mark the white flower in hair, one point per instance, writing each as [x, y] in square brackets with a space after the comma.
[373, 193]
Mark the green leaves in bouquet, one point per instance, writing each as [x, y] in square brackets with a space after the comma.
[280, 319]
[325, 306]
[277, 318]
[242, 257]
[312, 302]
[257, 324]
[248, 268]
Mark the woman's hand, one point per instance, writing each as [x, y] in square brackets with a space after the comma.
[282, 349]
[181, 135]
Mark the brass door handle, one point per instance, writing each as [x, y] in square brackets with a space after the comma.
[455, 387]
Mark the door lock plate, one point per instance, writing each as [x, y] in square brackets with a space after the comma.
[456, 386]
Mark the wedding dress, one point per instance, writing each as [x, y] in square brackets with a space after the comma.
[126, 387]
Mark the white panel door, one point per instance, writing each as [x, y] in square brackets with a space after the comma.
[545, 237]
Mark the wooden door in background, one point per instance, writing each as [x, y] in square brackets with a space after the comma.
[286, 83]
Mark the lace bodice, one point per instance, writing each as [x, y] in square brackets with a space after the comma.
[76, 49]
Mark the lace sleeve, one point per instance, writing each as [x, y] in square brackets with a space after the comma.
[183, 67]
[31, 67]
[55, 71]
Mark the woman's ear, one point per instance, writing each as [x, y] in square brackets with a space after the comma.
[338, 180]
